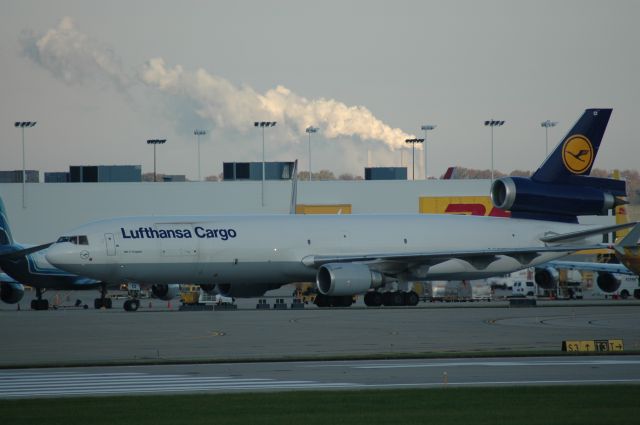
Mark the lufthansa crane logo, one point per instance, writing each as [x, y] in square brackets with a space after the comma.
[577, 154]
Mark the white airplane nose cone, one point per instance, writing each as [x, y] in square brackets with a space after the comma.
[63, 254]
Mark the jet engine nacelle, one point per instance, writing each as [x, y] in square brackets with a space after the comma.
[165, 292]
[547, 277]
[11, 293]
[519, 194]
[240, 291]
[338, 279]
[607, 282]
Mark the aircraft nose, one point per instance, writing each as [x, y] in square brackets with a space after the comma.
[64, 256]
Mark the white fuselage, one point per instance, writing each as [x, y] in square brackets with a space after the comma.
[274, 248]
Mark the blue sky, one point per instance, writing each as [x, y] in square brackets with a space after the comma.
[103, 77]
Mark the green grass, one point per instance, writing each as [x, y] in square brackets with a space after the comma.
[615, 404]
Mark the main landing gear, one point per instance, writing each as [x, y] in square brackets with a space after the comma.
[39, 303]
[392, 298]
[333, 301]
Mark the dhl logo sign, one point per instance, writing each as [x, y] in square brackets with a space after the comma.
[468, 205]
[323, 209]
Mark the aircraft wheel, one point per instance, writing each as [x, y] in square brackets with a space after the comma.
[411, 298]
[397, 298]
[97, 303]
[386, 299]
[367, 299]
[108, 303]
[34, 304]
[373, 299]
[127, 305]
[344, 301]
[321, 300]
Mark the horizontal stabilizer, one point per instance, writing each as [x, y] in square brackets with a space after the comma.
[564, 237]
[629, 241]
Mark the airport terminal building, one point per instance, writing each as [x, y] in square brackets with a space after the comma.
[49, 209]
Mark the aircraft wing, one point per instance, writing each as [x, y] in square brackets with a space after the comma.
[525, 255]
[590, 266]
[479, 258]
[565, 237]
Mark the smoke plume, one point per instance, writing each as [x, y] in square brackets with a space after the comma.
[74, 58]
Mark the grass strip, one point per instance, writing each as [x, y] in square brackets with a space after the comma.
[584, 405]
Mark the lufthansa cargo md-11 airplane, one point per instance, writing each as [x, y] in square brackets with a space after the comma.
[360, 254]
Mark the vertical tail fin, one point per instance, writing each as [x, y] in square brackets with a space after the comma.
[575, 155]
[5, 230]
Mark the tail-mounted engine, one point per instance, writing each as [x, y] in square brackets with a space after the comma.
[579, 195]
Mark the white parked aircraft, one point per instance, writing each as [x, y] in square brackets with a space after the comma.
[360, 254]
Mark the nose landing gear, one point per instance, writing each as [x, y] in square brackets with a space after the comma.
[39, 303]
[103, 301]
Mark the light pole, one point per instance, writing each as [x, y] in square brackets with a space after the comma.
[22, 125]
[199, 133]
[426, 128]
[310, 130]
[413, 155]
[155, 142]
[263, 124]
[546, 124]
[492, 123]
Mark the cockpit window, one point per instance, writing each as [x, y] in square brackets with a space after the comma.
[76, 240]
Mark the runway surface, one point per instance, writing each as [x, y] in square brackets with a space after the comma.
[287, 376]
[91, 336]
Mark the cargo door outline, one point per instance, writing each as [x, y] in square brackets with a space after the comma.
[111, 244]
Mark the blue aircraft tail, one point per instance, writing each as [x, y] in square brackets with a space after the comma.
[561, 190]
[575, 155]
[5, 231]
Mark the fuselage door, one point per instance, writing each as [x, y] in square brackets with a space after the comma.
[111, 244]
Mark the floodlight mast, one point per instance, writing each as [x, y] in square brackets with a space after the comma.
[546, 124]
[425, 128]
[262, 125]
[310, 130]
[199, 133]
[22, 125]
[413, 142]
[155, 142]
[493, 123]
